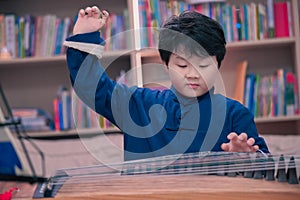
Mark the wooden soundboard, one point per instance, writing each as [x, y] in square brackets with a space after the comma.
[179, 187]
[205, 175]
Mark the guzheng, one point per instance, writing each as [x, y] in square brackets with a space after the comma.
[207, 175]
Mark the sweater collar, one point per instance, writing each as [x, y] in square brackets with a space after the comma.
[191, 100]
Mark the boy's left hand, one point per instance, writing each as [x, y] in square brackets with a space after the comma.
[239, 143]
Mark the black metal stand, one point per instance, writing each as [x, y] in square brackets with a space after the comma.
[21, 134]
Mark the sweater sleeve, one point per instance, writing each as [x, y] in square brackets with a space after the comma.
[88, 77]
[120, 104]
[75, 57]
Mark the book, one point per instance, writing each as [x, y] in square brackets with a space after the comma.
[296, 93]
[281, 76]
[202, 1]
[66, 32]
[62, 109]
[2, 31]
[239, 85]
[281, 21]
[274, 95]
[59, 36]
[249, 92]
[240, 22]
[66, 109]
[290, 21]
[29, 35]
[256, 105]
[38, 36]
[149, 23]
[262, 21]
[56, 114]
[246, 23]
[21, 36]
[254, 21]
[270, 17]
[10, 34]
[264, 93]
[289, 94]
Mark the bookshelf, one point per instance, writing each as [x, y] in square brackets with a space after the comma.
[264, 56]
[33, 81]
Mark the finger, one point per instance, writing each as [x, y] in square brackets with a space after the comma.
[96, 12]
[250, 141]
[243, 137]
[232, 136]
[225, 147]
[95, 9]
[88, 11]
[81, 13]
[255, 148]
[105, 15]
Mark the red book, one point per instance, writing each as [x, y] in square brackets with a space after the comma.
[281, 21]
[234, 21]
[199, 8]
[149, 23]
[56, 114]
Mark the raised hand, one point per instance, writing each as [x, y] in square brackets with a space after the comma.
[90, 19]
[239, 143]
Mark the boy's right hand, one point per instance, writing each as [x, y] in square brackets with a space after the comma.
[90, 19]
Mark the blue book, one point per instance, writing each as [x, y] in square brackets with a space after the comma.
[246, 21]
[59, 37]
[249, 92]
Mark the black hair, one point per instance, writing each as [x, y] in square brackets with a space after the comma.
[198, 34]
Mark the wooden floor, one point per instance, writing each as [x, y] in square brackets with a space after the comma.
[176, 187]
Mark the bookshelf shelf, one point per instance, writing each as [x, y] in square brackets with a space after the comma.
[148, 53]
[31, 60]
[239, 45]
[73, 133]
[273, 42]
[277, 119]
[53, 59]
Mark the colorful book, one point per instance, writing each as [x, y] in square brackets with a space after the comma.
[281, 21]
[289, 94]
[2, 31]
[56, 114]
[239, 86]
[249, 92]
[281, 76]
[264, 103]
[262, 21]
[10, 34]
[270, 17]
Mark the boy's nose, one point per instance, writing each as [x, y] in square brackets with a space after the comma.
[192, 72]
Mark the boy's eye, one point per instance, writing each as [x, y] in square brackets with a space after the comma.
[203, 66]
[182, 66]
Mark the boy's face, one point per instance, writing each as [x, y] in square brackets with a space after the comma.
[192, 75]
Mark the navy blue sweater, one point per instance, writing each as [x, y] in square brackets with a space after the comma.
[154, 122]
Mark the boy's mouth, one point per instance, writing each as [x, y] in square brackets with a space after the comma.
[193, 85]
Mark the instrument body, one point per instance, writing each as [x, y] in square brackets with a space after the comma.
[205, 175]
[187, 186]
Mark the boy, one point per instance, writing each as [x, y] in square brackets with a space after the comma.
[188, 117]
